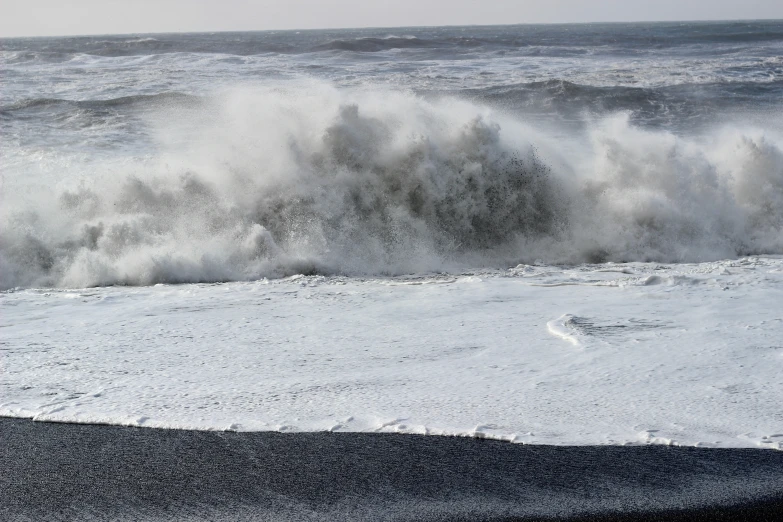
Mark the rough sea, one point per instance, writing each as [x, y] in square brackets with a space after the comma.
[565, 234]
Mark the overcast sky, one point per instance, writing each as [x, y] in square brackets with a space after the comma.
[61, 17]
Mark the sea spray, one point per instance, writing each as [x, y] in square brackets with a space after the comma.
[266, 182]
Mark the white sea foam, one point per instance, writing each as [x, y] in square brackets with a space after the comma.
[269, 182]
[696, 363]
[560, 327]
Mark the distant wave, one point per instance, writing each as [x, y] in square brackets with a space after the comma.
[651, 105]
[551, 96]
[140, 99]
[16, 57]
[326, 181]
[536, 40]
[375, 44]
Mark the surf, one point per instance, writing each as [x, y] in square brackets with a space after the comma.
[316, 179]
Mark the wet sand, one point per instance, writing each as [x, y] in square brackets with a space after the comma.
[52, 471]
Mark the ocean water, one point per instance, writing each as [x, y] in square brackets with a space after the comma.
[550, 233]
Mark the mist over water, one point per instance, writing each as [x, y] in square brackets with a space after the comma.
[385, 154]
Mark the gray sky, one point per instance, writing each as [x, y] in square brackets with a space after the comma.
[60, 17]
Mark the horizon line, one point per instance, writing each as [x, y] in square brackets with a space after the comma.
[422, 26]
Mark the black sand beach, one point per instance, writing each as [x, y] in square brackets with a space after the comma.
[86, 472]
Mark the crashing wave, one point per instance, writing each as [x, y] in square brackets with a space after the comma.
[363, 183]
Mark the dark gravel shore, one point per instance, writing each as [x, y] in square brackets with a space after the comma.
[86, 472]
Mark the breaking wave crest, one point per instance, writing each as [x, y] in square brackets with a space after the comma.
[265, 184]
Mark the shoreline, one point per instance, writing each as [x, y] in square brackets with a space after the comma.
[61, 471]
[476, 435]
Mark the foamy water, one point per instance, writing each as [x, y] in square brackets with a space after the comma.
[599, 354]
